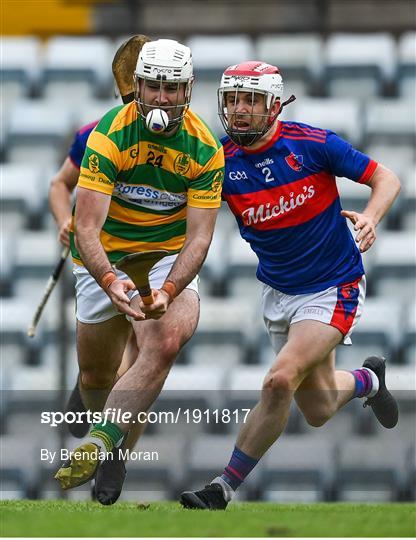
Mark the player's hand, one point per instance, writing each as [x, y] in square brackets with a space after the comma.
[117, 291]
[366, 227]
[159, 306]
[64, 232]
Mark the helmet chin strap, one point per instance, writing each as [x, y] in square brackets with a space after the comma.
[289, 100]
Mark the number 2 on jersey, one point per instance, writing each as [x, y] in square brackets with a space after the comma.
[268, 174]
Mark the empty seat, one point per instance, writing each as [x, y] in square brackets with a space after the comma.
[390, 120]
[37, 132]
[35, 120]
[223, 327]
[299, 468]
[358, 65]
[71, 60]
[406, 72]
[91, 110]
[242, 265]
[23, 190]
[372, 328]
[396, 158]
[36, 254]
[371, 469]
[20, 60]
[212, 54]
[7, 260]
[340, 115]
[299, 58]
[394, 264]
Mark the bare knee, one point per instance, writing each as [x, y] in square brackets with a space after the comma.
[164, 350]
[95, 379]
[279, 383]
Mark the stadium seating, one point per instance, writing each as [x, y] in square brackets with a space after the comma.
[340, 115]
[211, 54]
[299, 58]
[407, 65]
[363, 88]
[292, 475]
[370, 469]
[76, 68]
[359, 65]
[390, 120]
[20, 64]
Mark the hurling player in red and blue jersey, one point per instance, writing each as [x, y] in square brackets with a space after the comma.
[280, 185]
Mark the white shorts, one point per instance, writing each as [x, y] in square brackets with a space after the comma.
[94, 306]
[340, 307]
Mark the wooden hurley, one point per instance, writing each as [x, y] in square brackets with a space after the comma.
[137, 266]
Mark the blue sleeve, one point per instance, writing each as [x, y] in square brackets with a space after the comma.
[76, 152]
[344, 160]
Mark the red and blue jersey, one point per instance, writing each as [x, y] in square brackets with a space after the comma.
[287, 206]
[77, 150]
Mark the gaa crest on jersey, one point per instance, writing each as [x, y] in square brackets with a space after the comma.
[182, 163]
[93, 163]
[295, 161]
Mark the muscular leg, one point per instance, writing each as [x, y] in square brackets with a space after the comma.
[129, 357]
[100, 348]
[160, 341]
[309, 344]
[324, 391]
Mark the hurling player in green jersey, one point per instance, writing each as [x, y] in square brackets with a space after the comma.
[110, 477]
[140, 190]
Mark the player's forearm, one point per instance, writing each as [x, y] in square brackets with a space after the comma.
[60, 203]
[92, 252]
[189, 262]
[385, 187]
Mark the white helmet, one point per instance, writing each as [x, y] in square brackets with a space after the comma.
[255, 77]
[164, 61]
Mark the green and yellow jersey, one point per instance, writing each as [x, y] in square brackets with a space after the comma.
[151, 180]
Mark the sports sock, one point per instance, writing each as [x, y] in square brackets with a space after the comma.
[238, 468]
[366, 382]
[106, 436]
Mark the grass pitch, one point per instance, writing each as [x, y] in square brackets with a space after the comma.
[62, 518]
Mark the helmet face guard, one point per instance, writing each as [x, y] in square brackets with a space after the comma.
[164, 64]
[254, 79]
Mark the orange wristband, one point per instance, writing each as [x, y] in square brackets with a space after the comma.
[170, 288]
[107, 279]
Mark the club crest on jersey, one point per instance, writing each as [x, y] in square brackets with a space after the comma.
[217, 181]
[93, 163]
[295, 161]
[182, 163]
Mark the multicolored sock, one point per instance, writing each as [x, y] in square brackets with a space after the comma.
[106, 435]
[366, 383]
[239, 467]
